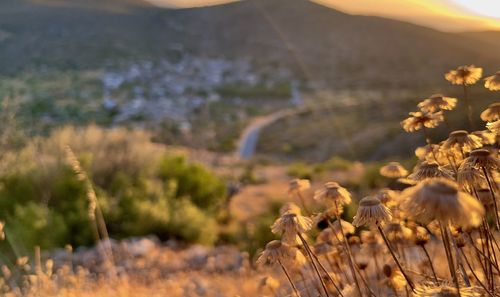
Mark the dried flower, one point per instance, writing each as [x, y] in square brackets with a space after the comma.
[492, 113]
[439, 199]
[370, 212]
[276, 251]
[429, 170]
[487, 137]
[437, 102]
[395, 279]
[421, 236]
[492, 83]
[482, 158]
[333, 193]
[290, 225]
[422, 119]
[268, 282]
[298, 185]
[393, 170]
[469, 177]
[388, 197]
[347, 228]
[464, 75]
[461, 141]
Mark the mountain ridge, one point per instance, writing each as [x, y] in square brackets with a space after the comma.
[317, 42]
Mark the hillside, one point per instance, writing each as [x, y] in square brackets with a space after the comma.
[317, 42]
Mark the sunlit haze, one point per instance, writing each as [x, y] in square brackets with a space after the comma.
[446, 15]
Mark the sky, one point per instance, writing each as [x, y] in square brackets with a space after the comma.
[445, 15]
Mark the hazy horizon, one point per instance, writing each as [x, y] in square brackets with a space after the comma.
[445, 15]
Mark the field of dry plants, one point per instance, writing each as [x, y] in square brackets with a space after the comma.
[433, 232]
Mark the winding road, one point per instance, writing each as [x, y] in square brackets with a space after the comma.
[247, 143]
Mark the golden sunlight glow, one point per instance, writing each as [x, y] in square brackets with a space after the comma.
[490, 8]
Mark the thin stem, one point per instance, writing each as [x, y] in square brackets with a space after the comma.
[289, 279]
[347, 249]
[493, 196]
[430, 263]
[474, 273]
[408, 280]
[451, 265]
[314, 264]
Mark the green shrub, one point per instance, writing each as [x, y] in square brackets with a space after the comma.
[141, 189]
[202, 188]
[300, 170]
[336, 163]
[191, 224]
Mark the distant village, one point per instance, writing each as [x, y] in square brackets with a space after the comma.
[163, 89]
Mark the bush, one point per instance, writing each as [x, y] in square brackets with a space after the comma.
[191, 224]
[141, 188]
[336, 163]
[300, 170]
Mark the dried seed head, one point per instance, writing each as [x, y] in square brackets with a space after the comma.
[437, 102]
[422, 119]
[421, 236]
[393, 170]
[290, 225]
[492, 113]
[461, 141]
[439, 199]
[429, 170]
[370, 212]
[333, 193]
[492, 83]
[464, 75]
[482, 158]
[298, 185]
[276, 251]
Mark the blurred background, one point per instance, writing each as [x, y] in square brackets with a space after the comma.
[189, 117]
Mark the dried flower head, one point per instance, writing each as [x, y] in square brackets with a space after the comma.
[482, 158]
[347, 228]
[422, 119]
[276, 251]
[388, 197]
[437, 102]
[469, 177]
[439, 199]
[298, 185]
[492, 113]
[268, 282]
[464, 75]
[431, 152]
[395, 279]
[461, 141]
[487, 137]
[396, 231]
[494, 126]
[393, 170]
[492, 83]
[421, 236]
[290, 225]
[429, 170]
[370, 212]
[333, 193]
